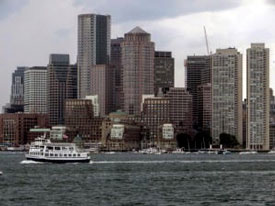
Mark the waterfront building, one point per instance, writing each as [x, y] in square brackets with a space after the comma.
[258, 102]
[80, 120]
[180, 109]
[138, 69]
[166, 137]
[102, 85]
[119, 133]
[164, 68]
[94, 34]
[15, 128]
[35, 90]
[155, 112]
[197, 73]
[116, 62]
[226, 94]
[61, 85]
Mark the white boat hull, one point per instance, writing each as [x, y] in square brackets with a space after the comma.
[57, 159]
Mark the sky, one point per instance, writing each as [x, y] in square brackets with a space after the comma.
[30, 30]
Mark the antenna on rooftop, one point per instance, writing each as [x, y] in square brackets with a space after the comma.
[206, 40]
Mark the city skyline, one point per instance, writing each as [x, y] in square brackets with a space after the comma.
[176, 29]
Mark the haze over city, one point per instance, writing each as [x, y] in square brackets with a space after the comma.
[33, 29]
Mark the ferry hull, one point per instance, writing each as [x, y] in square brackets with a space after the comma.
[86, 160]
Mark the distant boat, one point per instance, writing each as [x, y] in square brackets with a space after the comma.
[271, 152]
[223, 152]
[248, 152]
[1, 172]
[43, 150]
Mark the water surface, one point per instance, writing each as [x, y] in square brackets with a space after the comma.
[135, 179]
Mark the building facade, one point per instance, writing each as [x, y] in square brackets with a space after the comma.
[204, 107]
[94, 38]
[164, 67]
[35, 90]
[180, 109]
[258, 102]
[17, 87]
[226, 94]
[116, 62]
[197, 72]
[102, 81]
[80, 120]
[138, 69]
[15, 128]
[61, 85]
[155, 113]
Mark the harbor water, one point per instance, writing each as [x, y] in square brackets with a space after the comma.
[126, 179]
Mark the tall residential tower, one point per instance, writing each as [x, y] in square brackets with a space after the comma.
[258, 97]
[226, 94]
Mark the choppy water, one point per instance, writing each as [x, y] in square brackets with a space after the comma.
[133, 179]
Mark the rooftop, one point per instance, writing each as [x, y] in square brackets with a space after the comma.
[137, 30]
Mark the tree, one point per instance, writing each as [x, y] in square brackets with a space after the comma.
[228, 140]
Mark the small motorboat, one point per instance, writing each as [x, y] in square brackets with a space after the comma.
[1, 172]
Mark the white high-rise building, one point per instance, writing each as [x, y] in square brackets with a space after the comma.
[258, 97]
[94, 47]
[35, 90]
[226, 94]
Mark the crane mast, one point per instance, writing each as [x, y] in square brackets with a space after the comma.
[206, 40]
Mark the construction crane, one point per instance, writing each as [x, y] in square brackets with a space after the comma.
[206, 41]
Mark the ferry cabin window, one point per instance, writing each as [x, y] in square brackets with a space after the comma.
[74, 155]
[51, 155]
[65, 155]
[46, 154]
[70, 155]
[50, 148]
[78, 155]
[57, 148]
[55, 155]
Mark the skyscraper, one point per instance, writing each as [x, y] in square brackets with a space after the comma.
[17, 87]
[164, 70]
[116, 62]
[226, 94]
[61, 85]
[35, 90]
[198, 73]
[138, 69]
[102, 86]
[94, 33]
[258, 102]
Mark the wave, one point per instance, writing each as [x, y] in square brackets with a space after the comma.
[178, 161]
[30, 162]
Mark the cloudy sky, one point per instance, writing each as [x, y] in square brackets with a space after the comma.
[32, 29]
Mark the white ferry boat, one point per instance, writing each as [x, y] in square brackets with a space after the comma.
[43, 150]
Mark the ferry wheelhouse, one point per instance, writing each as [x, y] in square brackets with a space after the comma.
[43, 150]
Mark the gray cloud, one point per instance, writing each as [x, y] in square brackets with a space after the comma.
[8, 7]
[135, 10]
[271, 2]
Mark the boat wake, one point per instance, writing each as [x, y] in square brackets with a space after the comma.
[30, 162]
[179, 161]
